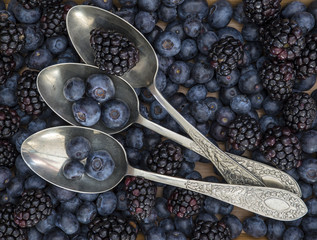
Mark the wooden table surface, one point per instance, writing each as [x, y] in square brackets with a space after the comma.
[207, 169]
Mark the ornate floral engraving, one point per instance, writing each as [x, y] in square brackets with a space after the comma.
[276, 203]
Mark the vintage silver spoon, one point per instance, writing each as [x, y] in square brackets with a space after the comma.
[44, 152]
[82, 19]
[50, 82]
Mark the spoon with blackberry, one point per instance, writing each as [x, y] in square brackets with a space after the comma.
[45, 153]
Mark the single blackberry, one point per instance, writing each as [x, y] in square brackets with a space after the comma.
[48, 3]
[278, 78]
[112, 227]
[281, 147]
[7, 65]
[225, 55]
[34, 206]
[185, 203]
[52, 22]
[8, 153]
[114, 53]
[299, 111]
[9, 121]
[166, 158]
[207, 230]
[283, 39]
[28, 96]
[12, 37]
[244, 133]
[8, 229]
[140, 196]
[29, 4]
[306, 63]
[262, 11]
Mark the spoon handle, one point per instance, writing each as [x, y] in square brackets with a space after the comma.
[231, 170]
[272, 177]
[269, 202]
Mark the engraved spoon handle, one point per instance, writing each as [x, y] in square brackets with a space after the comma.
[272, 177]
[269, 202]
[231, 170]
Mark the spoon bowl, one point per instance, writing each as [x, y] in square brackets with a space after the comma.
[82, 19]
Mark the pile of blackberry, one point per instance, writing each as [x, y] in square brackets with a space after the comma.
[251, 92]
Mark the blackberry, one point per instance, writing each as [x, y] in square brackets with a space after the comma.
[112, 227]
[52, 22]
[299, 111]
[262, 11]
[185, 203]
[8, 229]
[34, 206]
[283, 39]
[208, 230]
[29, 4]
[166, 158]
[306, 63]
[28, 96]
[8, 153]
[140, 196]
[244, 133]
[9, 121]
[7, 65]
[278, 79]
[12, 37]
[225, 55]
[114, 53]
[48, 3]
[281, 147]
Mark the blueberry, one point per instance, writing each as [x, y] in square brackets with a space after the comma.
[128, 3]
[106, 203]
[212, 86]
[5, 177]
[34, 37]
[192, 26]
[308, 170]
[61, 194]
[220, 14]
[310, 236]
[293, 233]
[206, 217]
[34, 234]
[240, 104]
[8, 97]
[267, 121]
[145, 21]
[146, 95]
[2, 5]
[71, 205]
[305, 21]
[55, 234]
[100, 87]
[78, 148]
[193, 7]
[127, 13]
[184, 225]
[115, 114]
[107, 5]
[22, 170]
[272, 107]
[239, 15]
[294, 223]
[305, 84]
[179, 72]
[234, 225]
[229, 31]
[250, 32]
[34, 182]
[308, 141]
[188, 50]
[24, 15]
[99, 165]
[152, 217]
[161, 207]
[200, 111]
[196, 93]
[254, 49]
[203, 127]
[215, 206]
[225, 116]
[151, 36]
[86, 111]
[87, 196]
[74, 89]
[172, 3]
[176, 27]
[73, 170]
[122, 203]
[15, 187]
[12, 82]
[135, 137]
[275, 229]
[218, 132]
[186, 168]
[193, 175]
[214, 105]
[250, 82]
[205, 41]
[229, 80]
[39, 59]
[157, 111]
[155, 233]
[167, 44]
[293, 7]
[255, 227]
[167, 14]
[67, 222]
[45, 225]
[202, 73]
[57, 44]
[293, 173]
[175, 235]
[86, 212]
[71, 54]
[309, 224]
[306, 189]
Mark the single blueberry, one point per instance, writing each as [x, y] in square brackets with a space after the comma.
[193, 7]
[293, 7]
[167, 44]
[179, 72]
[229, 80]
[309, 224]
[272, 107]
[240, 104]
[293, 233]
[275, 229]
[250, 82]
[106, 203]
[306, 189]
[196, 93]
[135, 138]
[100, 87]
[74, 89]
[73, 170]
[45, 225]
[78, 148]
[312, 207]
[161, 207]
[57, 44]
[145, 21]
[34, 37]
[86, 111]
[39, 59]
[192, 26]
[308, 170]
[15, 187]
[202, 73]
[61, 194]
[115, 114]
[234, 225]
[188, 50]
[34, 234]
[230, 31]
[176, 27]
[220, 14]
[305, 84]
[34, 182]
[67, 222]
[205, 41]
[8, 97]
[308, 141]
[24, 15]
[250, 32]
[255, 227]
[86, 212]
[218, 132]
[71, 205]
[175, 235]
[184, 225]
[305, 21]
[157, 111]
[167, 14]
[239, 15]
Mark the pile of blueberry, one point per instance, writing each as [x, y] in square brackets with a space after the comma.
[211, 95]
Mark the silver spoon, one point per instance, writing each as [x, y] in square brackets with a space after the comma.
[82, 19]
[50, 82]
[44, 152]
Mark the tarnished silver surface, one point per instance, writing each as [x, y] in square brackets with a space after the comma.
[50, 84]
[44, 152]
[82, 19]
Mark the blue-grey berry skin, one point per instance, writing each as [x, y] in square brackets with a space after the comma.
[115, 114]
[308, 141]
[205, 41]
[74, 89]
[86, 111]
[240, 104]
[57, 44]
[220, 14]
[24, 15]
[188, 49]
[234, 225]
[167, 44]
[86, 212]
[100, 87]
[34, 37]
[255, 227]
[73, 170]
[293, 7]
[275, 229]
[202, 73]
[308, 171]
[305, 21]
[192, 26]
[5, 177]
[193, 7]
[293, 233]
[67, 222]
[179, 72]
[145, 21]
[99, 165]
[309, 224]
[78, 148]
[39, 59]
[106, 203]
[230, 31]
[167, 14]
